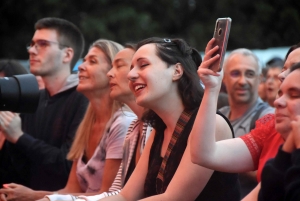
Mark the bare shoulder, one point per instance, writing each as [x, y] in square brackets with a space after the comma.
[223, 130]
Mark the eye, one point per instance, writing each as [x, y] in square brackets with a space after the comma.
[235, 73]
[93, 61]
[250, 74]
[294, 94]
[42, 43]
[120, 64]
[144, 64]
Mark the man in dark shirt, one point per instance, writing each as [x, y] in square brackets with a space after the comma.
[37, 144]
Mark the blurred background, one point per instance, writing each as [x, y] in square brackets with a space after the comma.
[269, 27]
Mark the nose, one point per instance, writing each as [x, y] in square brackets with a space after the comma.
[132, 75]
[109, 74]
[269, 80]
[242, 79]
[32, 49]
[280, 102]
[81, 67]
[283, 75]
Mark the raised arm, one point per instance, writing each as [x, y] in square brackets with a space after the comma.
[230, 155]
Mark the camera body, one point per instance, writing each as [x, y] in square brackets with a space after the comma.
[19, 93]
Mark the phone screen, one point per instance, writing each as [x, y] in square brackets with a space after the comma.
[221, 35]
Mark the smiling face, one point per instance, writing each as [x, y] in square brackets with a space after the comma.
[241, 78]
[151, 78]
[288, 103]
[92, 72]
[118, 81]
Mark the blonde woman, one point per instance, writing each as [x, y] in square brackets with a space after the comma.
[97, 147]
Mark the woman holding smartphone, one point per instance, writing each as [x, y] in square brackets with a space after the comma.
[164, 79]
[249, 152]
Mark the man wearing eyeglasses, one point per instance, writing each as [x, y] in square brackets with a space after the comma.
[36, 146]
[242, 71]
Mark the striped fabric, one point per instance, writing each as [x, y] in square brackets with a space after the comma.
[129, 146]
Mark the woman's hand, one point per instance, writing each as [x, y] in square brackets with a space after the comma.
[16, 192]
[211, 79]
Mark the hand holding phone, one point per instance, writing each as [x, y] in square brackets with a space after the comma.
[221, 35]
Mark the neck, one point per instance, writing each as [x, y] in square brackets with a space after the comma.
[54, 83]
[170, 114]
[237, 110]
[102, 105]
[138, 110]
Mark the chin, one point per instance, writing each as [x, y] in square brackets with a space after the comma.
[81, 89]
[141, 102]
[282, 128]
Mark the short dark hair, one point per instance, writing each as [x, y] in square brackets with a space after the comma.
[68, 35]
[173, 51]
[11, 67]
[275, 62]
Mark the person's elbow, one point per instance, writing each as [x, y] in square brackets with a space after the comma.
[195, 158]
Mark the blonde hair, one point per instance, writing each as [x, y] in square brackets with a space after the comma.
[82, 136]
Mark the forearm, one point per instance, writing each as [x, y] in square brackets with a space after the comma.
[117, 184]
[159, 197]
[203, 133]
[118, 197]
[253, 195]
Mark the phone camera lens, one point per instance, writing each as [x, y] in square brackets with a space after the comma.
[220, 32]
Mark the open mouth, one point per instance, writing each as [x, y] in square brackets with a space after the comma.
[82, 78]
[139, 87]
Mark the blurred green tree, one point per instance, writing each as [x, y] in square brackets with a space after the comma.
[255, 24]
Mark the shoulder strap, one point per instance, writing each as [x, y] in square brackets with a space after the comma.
[261, 108]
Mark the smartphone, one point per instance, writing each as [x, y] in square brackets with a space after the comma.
[221, 35]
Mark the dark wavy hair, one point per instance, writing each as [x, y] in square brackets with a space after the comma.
[173, 51]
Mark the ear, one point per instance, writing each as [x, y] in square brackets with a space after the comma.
[178, 72]
[68, 55]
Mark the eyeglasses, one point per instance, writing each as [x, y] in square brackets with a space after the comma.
[38, 44]
[248, 74]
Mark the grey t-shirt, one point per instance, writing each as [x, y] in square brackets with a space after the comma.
[241, 126]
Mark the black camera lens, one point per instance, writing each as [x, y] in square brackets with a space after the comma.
[19, 93]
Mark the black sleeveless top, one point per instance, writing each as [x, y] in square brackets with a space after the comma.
[220, 187]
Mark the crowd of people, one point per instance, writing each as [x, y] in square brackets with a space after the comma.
[136, 124]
